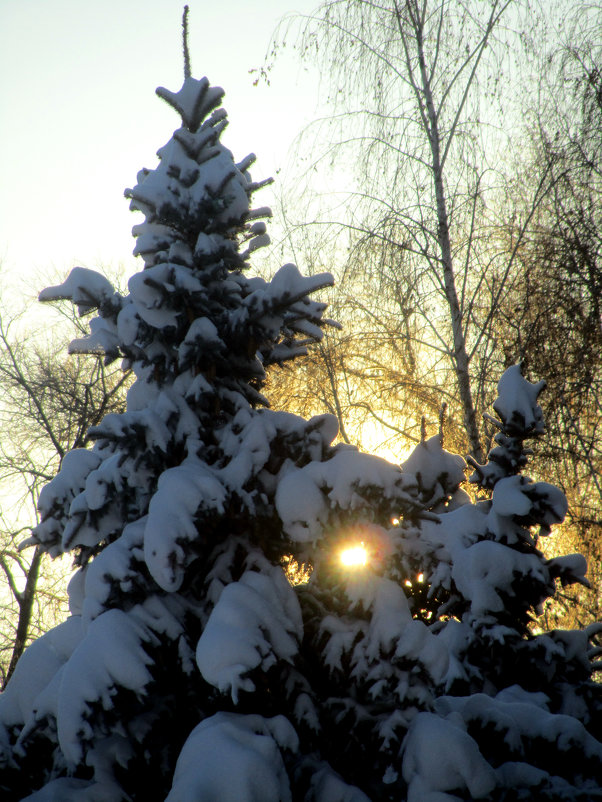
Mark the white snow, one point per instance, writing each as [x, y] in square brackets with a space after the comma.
[112, 566]
[149, 300]
[283, 300]
[487, 568]
[87, 289]
[436, 469]
[59, 493]
[518, 495]
[202, 329]
[234, 758]
[509, 498]
[181, 492]
[255, 622]
[288, 282]
[159, 190]
[128, 321]
[572, 566]
[419, 644]
[193, 101]
[522, 720]
[109, 655]
[209, 244]
[390, 617]
[439, 756]
[342, 634]
[70, 480]
[102, 339]
[302, 505]
[304, 496]
[516, 395]
[36, 669]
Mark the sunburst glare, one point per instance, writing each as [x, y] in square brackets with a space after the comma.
[354, 556]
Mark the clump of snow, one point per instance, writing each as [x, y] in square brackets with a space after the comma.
[101, 340]
[194, 101]
[235, 758]
[418, 643]
[36, 669]
[60, 492]
[287, 284]
[128, 322]
[87, 289]
[302, 505]
[522, 720]
[305, 495]
[112, 567]
[509, 497]
[517, 402]
[181, 493]
[484, 574]
[439, 756]
[256, 622]
[570, 568]
[518, 496]
[110, 654]
[438, 473]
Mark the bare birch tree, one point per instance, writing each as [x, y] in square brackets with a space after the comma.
[416, 96]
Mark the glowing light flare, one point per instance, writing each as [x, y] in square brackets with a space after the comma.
[355, 556]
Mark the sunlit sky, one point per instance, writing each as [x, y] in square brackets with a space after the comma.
[79, 116]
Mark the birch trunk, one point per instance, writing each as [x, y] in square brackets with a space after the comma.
[459, 356]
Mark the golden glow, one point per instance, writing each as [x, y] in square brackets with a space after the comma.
[354, 556]
[297, 574]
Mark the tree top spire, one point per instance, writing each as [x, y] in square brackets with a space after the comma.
[187, 71]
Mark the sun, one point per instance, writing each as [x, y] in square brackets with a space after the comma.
[354, 556]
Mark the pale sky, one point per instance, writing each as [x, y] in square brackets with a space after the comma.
[79, 116]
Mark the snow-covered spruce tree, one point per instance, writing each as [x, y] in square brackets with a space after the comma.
[430, 681]
[516, 715]
[182, 672]
[190, 668]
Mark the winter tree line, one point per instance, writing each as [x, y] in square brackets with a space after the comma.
[195, 457]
